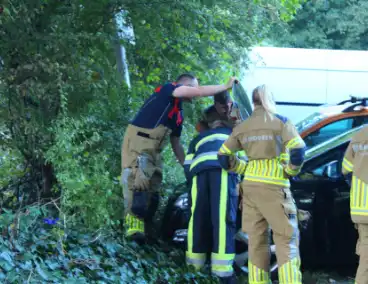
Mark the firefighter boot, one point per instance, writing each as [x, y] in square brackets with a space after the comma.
[134, 229]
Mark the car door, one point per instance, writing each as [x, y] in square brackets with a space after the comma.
[322, 190]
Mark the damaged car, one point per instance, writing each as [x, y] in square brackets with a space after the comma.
[328, 237]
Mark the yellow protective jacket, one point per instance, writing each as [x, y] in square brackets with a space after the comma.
[272, 144]
[356, 162]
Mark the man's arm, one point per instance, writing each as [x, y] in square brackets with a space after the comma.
[227, 156]
[177, 149]
[295, 146]
[188, 161]
[203, 91]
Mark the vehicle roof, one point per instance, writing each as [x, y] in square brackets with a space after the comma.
[330, 110]
[331, 143]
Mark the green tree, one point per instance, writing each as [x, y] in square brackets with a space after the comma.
[330, 24]
[63, 103]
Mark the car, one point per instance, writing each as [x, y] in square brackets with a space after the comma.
[321, 125]
[330, 121]
[329, 237]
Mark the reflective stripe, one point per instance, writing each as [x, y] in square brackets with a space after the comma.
[218, 272]
[240, 169]
[190, 227]
[241, 154]
[290, 272]
[296, 142]
[213, 137]
[267, 171]
[283, 182]
[358, 197]
[188, 159]
[133, 225]
[222, 264]
[207, 156]
[347, 165]
[225, 150]
[292, 172]
[223, 213]
[258, 275]
[198, 260]
[284, 158]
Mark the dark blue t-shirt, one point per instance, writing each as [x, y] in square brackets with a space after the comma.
[160, 108]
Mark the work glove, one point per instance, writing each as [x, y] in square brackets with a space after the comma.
[303, 218]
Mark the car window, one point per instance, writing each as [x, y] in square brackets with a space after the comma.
[360, 120]
[309, 121]
[328, 131]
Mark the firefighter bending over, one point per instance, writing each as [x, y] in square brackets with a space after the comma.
[355, 165]
[224, 108]
[275, 151]
[160, 117]
[213, 202]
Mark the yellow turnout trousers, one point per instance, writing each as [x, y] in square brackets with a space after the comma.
[265, 206]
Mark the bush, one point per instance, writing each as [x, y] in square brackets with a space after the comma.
[37, 247]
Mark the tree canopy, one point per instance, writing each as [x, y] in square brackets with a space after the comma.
[328, 24]
[64, 109]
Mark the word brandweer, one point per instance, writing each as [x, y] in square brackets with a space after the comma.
[360, 148]
[258, 138]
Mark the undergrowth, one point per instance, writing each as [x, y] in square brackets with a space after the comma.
[37, 248]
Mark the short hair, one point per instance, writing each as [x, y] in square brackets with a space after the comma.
[185, 76]
[222, 97]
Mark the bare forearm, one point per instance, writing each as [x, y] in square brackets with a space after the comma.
[206, 91]
[203, 91]
[177, 149]
[179, 153]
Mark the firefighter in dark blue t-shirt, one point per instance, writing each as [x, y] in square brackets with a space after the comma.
[160, 117]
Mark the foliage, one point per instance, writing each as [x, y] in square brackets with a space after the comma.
[332, 24]
[37, 248]
[62, 99]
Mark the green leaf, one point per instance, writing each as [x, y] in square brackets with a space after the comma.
[41, 271]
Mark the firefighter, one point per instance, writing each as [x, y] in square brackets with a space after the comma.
[224, 108]
[275, 152]
[213, 202]
[160, 117]
[354, 165]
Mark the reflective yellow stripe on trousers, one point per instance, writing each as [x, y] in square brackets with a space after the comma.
[222, 263]
[258, 275]
[196, 259]
[358, 197]
[289, 273]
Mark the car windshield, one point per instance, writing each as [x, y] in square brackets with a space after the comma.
[331, 143]
[309, 121]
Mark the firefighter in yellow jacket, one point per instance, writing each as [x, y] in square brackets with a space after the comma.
[355, 163]
[160, 117]
[275, 152]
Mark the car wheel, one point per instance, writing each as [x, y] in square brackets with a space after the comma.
[241, 257]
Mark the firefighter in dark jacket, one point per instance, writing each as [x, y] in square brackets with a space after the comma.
[214, 203]
[160, 117]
